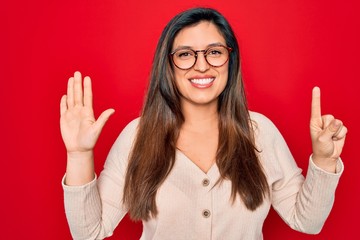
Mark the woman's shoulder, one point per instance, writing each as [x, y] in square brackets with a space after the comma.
[130, 129]
[260, 120]
[262, 125]
[127, 135]
[132, 125]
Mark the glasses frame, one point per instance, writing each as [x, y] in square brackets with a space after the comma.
[204, 51]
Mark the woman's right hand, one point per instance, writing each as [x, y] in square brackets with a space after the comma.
[79, 129]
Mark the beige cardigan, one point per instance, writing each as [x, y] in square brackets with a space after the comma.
[191, 206]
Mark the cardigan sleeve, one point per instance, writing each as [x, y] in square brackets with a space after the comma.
[95, 209]
[303, 203]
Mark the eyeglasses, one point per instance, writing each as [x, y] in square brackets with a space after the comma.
[215, 56]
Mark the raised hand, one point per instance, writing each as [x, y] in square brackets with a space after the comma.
[327, 135]
[80, 130]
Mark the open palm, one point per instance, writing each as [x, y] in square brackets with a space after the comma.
[79, 128]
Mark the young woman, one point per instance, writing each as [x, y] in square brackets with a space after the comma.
[196, 164]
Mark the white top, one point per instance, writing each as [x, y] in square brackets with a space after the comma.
[191, 206]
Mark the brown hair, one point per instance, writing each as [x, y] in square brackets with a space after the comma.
[153, 154]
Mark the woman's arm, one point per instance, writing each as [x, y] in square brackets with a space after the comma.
[89, 214]
[305, 204]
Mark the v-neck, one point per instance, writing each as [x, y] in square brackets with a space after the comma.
[211, 172]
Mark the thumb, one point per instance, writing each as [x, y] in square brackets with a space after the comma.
[332, 129]
[102, 119]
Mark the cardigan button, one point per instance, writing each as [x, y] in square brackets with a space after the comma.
[206, 182]
[206, 213]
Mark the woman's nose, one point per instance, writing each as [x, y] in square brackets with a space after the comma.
[201, 64]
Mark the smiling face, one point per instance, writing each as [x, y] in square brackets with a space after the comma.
[201, 84]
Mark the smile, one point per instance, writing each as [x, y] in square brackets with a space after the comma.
[202, 81]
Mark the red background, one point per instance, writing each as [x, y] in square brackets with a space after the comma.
[287, 48]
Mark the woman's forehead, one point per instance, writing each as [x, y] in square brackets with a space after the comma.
[198, 36]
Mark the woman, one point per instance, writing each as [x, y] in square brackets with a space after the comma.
[196, 164]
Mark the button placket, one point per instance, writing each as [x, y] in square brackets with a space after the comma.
[206, 212]
[204, 208]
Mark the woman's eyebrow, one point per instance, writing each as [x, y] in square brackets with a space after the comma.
[189, 47]
[181, 47]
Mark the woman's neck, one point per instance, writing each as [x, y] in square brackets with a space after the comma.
[199, 118]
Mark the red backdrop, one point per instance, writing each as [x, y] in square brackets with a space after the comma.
[287, 48]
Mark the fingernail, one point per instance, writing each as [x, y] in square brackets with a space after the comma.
[77, 74]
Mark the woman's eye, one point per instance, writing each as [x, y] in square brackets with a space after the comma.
[185, 54]
[214, 52]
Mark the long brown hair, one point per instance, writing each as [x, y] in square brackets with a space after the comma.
[153, 153]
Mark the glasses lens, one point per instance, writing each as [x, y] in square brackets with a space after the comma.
[184, 58]
[217, 56]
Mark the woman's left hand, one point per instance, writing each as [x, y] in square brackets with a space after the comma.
[327, 135]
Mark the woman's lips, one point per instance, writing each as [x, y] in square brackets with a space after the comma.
[202, 82]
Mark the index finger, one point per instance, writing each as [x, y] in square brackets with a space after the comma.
[315, 104]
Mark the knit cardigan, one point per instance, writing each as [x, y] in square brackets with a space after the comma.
[191, 206]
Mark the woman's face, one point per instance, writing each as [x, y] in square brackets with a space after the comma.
[201, 84]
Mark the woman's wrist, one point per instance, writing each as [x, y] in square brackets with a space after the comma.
[79, 168]
[326, 164]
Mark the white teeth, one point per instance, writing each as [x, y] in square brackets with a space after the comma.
[202, 80]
